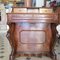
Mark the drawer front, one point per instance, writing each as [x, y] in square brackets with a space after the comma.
[43, 17]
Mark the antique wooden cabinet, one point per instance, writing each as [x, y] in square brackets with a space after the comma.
[32, 33]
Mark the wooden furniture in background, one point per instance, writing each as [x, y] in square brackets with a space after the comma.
[24, 2]
[21, 3]
[32, 34]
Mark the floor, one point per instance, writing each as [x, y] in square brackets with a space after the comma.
[5, 50]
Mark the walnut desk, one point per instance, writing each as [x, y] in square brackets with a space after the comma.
[32, 34]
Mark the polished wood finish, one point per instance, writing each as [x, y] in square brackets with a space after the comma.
[58, 11]
[33, 17]
[32, 34]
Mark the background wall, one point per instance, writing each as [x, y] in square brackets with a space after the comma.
[39, 3]
[58, 0]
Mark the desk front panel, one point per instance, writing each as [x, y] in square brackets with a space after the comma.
[32, 37]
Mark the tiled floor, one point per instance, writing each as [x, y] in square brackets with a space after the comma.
[5, 50]
[4, 47]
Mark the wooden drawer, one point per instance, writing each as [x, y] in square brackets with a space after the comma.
[19, 10]
[46, 10]
[42, 17]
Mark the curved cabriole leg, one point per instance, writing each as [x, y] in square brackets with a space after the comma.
[53, 56]
[40, 55]
[12, 55]
[28, 58]
[10, 38]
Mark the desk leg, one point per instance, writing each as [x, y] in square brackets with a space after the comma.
[28, 58]
[12, 55]
[53, 55]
